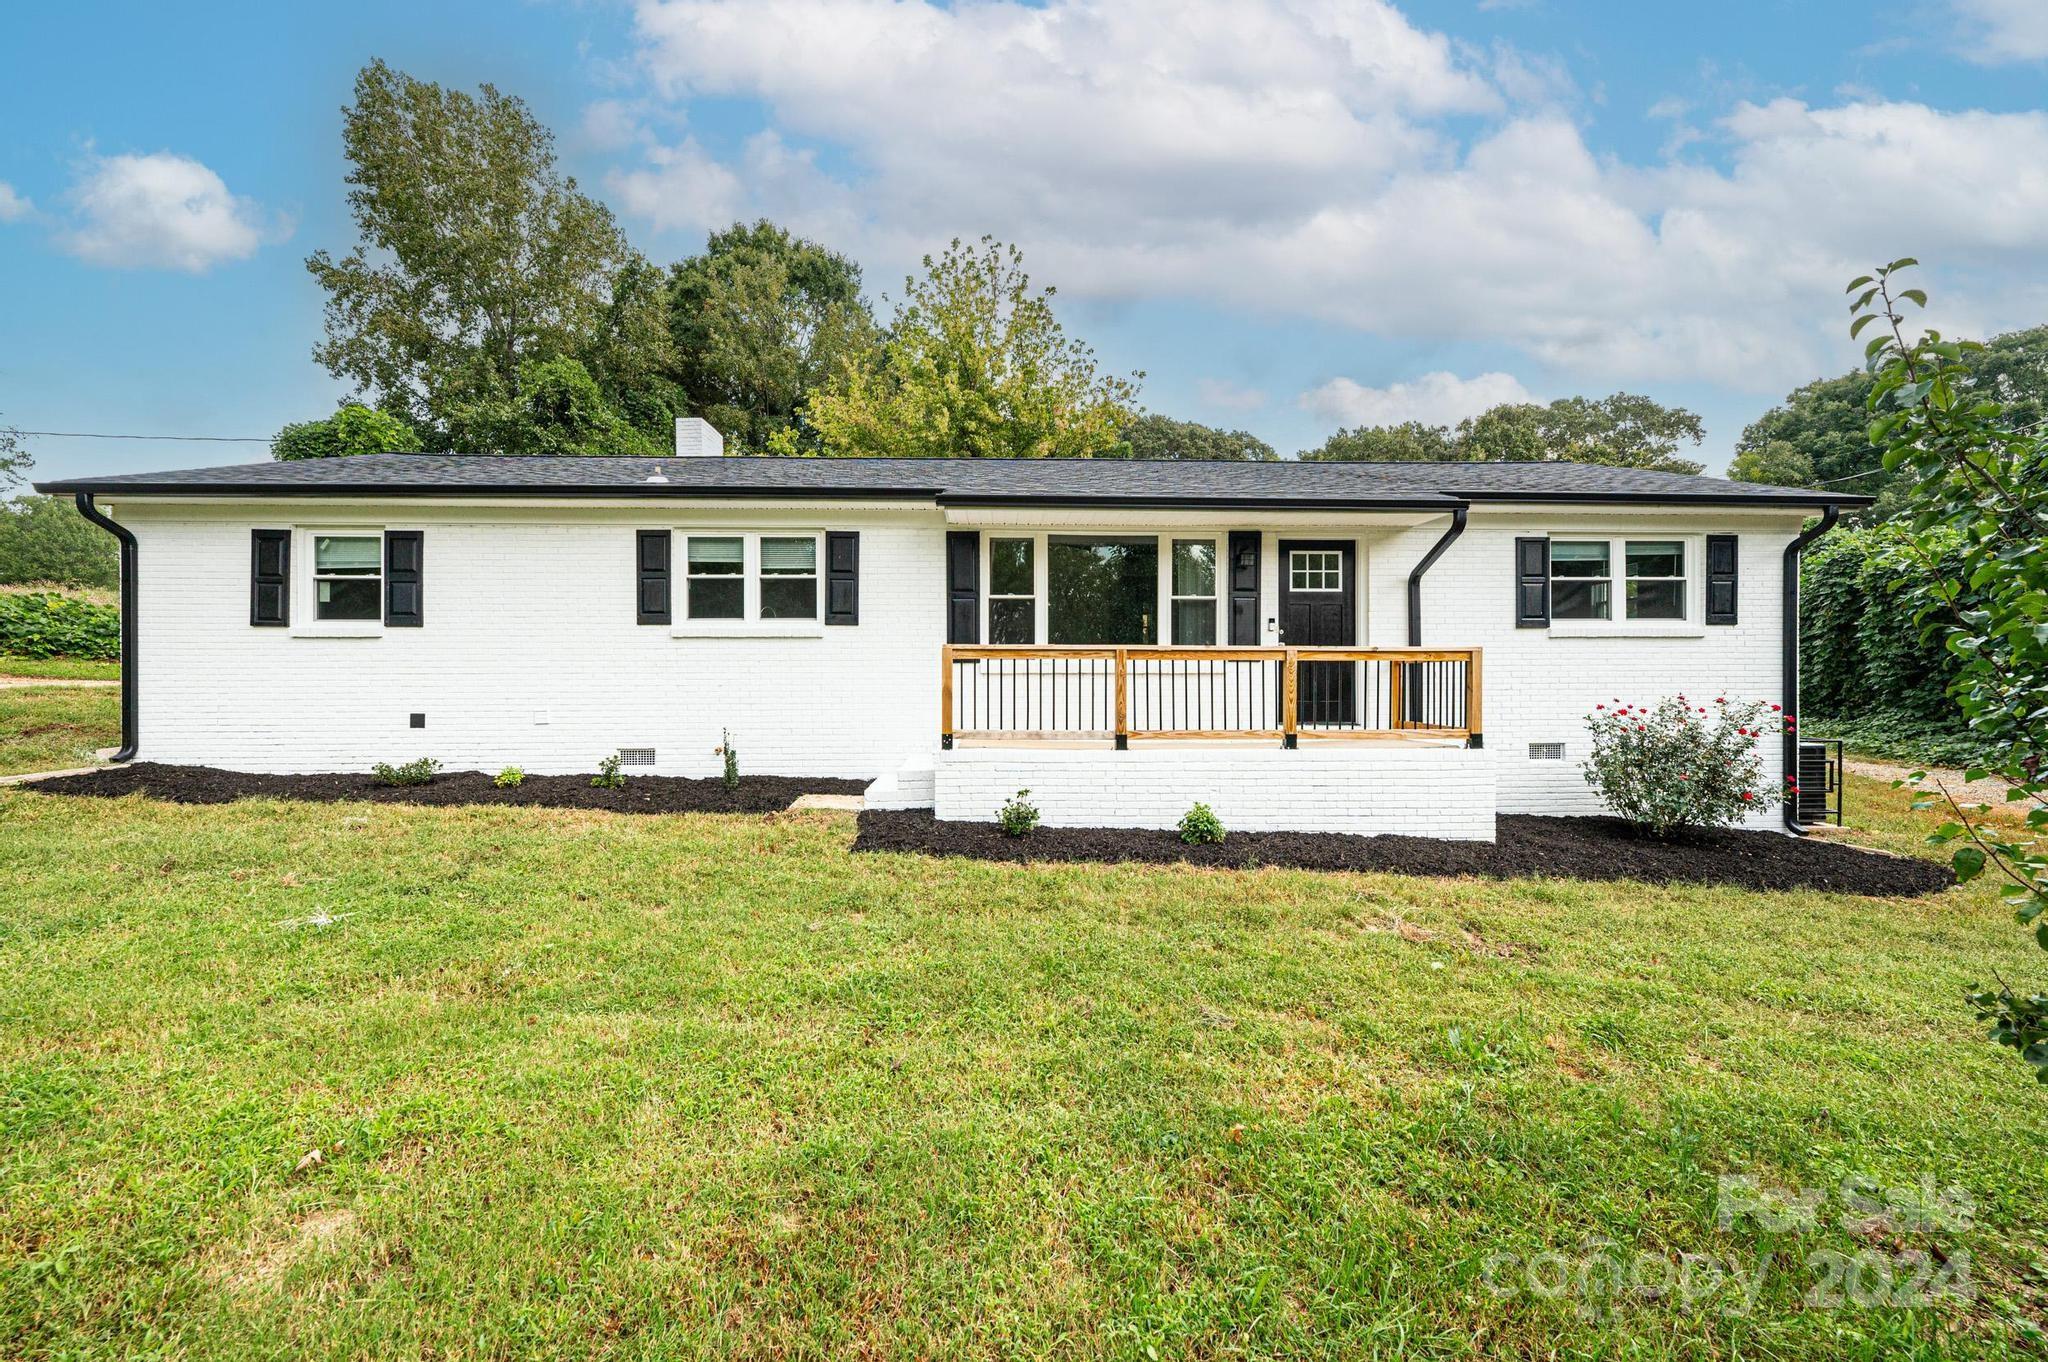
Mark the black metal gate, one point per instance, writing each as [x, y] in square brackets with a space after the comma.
[1819, 798]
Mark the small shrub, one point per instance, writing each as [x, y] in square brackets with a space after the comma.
[1681, 764]
[1200, 826]
[731, 775]
[509, 779]
[42, 624]
[1019, 816]
[418, 772]
[609, 776]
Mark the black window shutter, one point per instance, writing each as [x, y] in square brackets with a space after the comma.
[1244, 588]
[963, 586]
[404, 604]
[652, 576]
[1532, 583]
[270, 577]
[1720, 579]
[842, 577]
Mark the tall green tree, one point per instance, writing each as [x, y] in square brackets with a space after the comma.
[1152, 436]
[476, 255]
[760, 321]
[45, 539]
[354, 429]
[1827, 422]
[1624, 430]
[559, 410]
[14, 460]
[976, 365]
[1409, 442]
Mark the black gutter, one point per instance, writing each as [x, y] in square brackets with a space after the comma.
[1763, 501]
[126, 538]
[1423, 503]
[1429, 561]
[1789, 628]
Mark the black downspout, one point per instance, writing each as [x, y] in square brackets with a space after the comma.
[126, 538]
[1450, 537]
[1789, 627]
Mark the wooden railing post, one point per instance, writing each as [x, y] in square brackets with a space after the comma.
[1475, 693]
[946, 696]
[1123, 698]
[1395, 718]
[1290, 711]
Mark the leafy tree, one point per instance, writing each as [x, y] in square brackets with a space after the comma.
[1624, 431]
[760, 321]
[1409, 442]
[1981, 478]
[14, 460]
[559, 410]
[355, 429]
[632, 357]
[45, 539]
[1827, 422]
[476, 255]
[976, 365]
[1152, 436]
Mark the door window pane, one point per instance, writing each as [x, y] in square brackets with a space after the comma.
[1315, 570]
[1102, 590]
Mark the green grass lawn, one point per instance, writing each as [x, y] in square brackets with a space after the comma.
[60, 668]
[713, 1086]
[47, 728]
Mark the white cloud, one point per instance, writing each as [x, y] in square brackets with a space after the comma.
[161, 211]
[609, 125]
[1327, 159]
[1224, 395]
[1438, 399]
[14, 206]
[2004, 30]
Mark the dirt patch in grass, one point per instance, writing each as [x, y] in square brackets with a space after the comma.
[317, 1233]
[640, 794]
[1526, 846]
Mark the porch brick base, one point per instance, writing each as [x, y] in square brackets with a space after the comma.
[1367, 788]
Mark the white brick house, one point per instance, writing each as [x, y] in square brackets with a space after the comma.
[1365, 647]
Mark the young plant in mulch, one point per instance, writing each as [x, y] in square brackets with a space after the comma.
[511, 778]
[420, 772]
[1680, 765]
[1019, 816]
[609, 776]
[731, 774]
[1200, 826]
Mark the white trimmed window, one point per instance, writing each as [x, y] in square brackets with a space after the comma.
[1581, 580]
[348, 577]
[716, 576]
[789, 577]
[1194, 592]
[1012, 591]
[748, 577]
[1655, 587]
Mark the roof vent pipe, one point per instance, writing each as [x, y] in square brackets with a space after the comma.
[697, 438]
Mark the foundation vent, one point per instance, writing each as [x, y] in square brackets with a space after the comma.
[636, 756]
[1546, 751]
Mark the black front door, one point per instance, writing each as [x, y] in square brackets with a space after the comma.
[1319, 609]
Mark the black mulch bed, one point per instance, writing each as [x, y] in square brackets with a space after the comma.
[641, 794]
[1564, 848]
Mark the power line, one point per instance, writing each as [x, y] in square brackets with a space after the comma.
[96, 435]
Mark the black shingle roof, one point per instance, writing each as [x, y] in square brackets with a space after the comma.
[1129, 482]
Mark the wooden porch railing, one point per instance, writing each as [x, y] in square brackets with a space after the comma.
[1054, 693]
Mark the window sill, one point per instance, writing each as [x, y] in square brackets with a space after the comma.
[366, 629]
[1627, 629]
[748, 629]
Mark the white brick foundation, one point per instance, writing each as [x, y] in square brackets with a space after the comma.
[1368, 788]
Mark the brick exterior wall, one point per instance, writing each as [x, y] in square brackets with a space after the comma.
[1366, 788]
[530, 655]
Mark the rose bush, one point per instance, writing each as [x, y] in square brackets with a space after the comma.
[1682, 764]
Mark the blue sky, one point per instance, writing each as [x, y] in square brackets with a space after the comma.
[1291, 214]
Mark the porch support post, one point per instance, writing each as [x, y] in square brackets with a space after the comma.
[1123, 699]
[1290, 717]
[946, 697]
[1475, 700]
